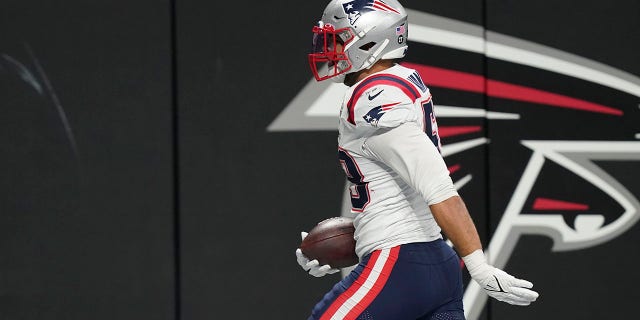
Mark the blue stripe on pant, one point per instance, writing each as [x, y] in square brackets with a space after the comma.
[425, 280]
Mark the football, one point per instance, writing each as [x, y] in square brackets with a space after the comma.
[331, 242]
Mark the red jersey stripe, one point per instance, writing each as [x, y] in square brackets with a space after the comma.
[380, 79]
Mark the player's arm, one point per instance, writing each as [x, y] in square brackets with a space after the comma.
[454, 219]
[409, 152]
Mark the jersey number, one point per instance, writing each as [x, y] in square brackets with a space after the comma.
[359, 189]
[430, 124]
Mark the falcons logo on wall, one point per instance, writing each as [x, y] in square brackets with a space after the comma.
[557, 184]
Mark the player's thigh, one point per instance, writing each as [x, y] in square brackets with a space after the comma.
[404, 282]
[350, 297]
[426, 279]
[450, 298]
[447, 315]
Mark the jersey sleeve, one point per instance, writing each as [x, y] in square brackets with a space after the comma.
[410, 153]
[383, 106]
[383, 101]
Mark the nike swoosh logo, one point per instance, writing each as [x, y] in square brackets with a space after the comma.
[371, 97]
[338, 18]
[491, 288]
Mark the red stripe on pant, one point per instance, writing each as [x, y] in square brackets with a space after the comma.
[372, 293]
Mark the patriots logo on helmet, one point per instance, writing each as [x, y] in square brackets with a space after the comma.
[354, 9]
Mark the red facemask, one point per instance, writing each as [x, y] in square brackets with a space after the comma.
[328, 58]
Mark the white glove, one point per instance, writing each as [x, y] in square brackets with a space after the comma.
[313, 267]
[497, 283]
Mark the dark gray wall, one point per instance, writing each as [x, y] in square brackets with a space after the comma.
[86, 193]
[140, 182]
[602, 32]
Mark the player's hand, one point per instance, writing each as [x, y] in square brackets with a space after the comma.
[313, 267]
[497, 283]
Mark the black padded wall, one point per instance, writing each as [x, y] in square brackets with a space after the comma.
[584, 117]
[159, 159]
[86, 184]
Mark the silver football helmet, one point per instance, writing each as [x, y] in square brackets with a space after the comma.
[354, 34]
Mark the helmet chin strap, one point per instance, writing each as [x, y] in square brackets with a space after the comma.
[367, 64]
[395, 54]
[374, 57]
[358, 37]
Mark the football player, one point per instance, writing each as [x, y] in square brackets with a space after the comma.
[401, 192]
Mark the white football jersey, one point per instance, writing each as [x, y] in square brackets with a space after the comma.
[390, 197]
